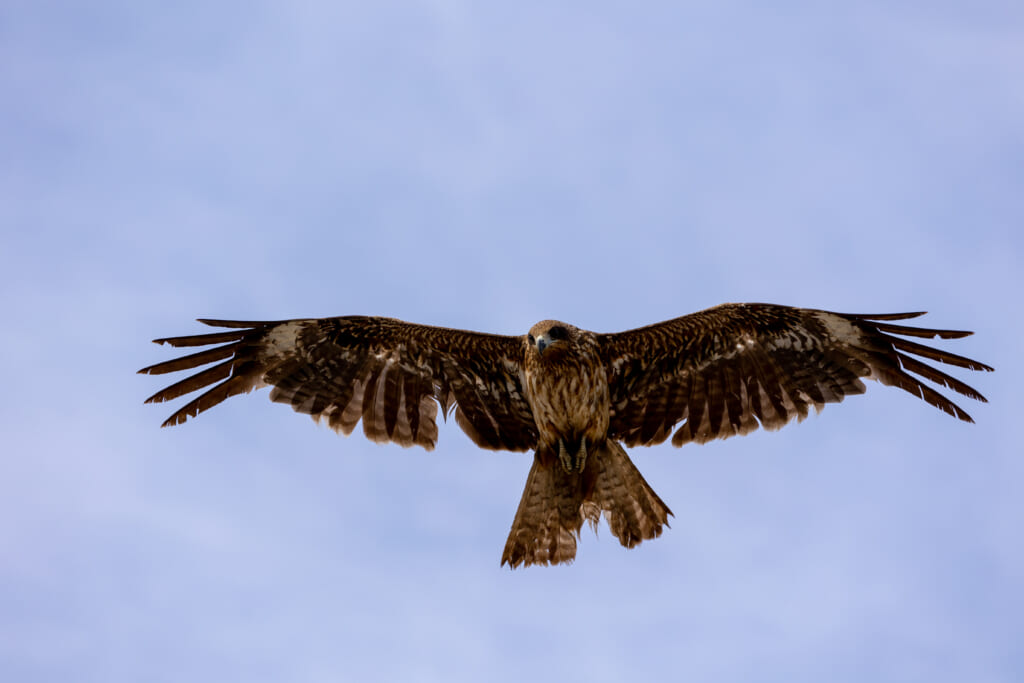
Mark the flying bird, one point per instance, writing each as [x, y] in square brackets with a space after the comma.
[573, 397]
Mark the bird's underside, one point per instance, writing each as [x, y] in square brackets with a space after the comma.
[571, 396]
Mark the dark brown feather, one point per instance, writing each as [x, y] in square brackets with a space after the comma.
[193, 360]
[381, 371]
[723, 371]
[203, 339]
[935, 354]
[192, 383]
[244, 380]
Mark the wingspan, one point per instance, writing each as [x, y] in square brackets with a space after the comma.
[730, 369]
[390, 374]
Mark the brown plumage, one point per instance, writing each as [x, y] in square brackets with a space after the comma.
[571, 396]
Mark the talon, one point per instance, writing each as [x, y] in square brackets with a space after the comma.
[564, 456]
[582, 455]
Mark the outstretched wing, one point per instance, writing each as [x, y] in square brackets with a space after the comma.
[726, 370]
[391, 374]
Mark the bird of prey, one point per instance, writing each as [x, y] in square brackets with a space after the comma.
[573, 397]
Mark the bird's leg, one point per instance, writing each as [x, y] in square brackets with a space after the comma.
[564, 457]
[569, 463]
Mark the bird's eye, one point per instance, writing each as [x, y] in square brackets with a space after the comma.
[530, 339]
[558, 332]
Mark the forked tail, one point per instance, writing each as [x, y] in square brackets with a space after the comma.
[555, 504]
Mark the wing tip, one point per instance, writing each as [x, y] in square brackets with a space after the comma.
[177, 418]
[886, 316]
[236, 324]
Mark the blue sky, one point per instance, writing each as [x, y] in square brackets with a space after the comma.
[485, 168]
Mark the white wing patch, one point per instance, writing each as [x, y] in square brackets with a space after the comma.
[840, 329]
[283, 339]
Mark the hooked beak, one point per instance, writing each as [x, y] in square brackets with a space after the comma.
[542, 343]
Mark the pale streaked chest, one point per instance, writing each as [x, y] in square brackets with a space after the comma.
[568, 397]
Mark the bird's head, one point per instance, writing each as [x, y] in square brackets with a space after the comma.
[550, 339]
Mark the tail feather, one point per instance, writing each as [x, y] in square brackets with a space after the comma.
[548, 521]
[555, 504]
[634, 511]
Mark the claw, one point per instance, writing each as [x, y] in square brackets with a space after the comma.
[564, 457]
[569, 463]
